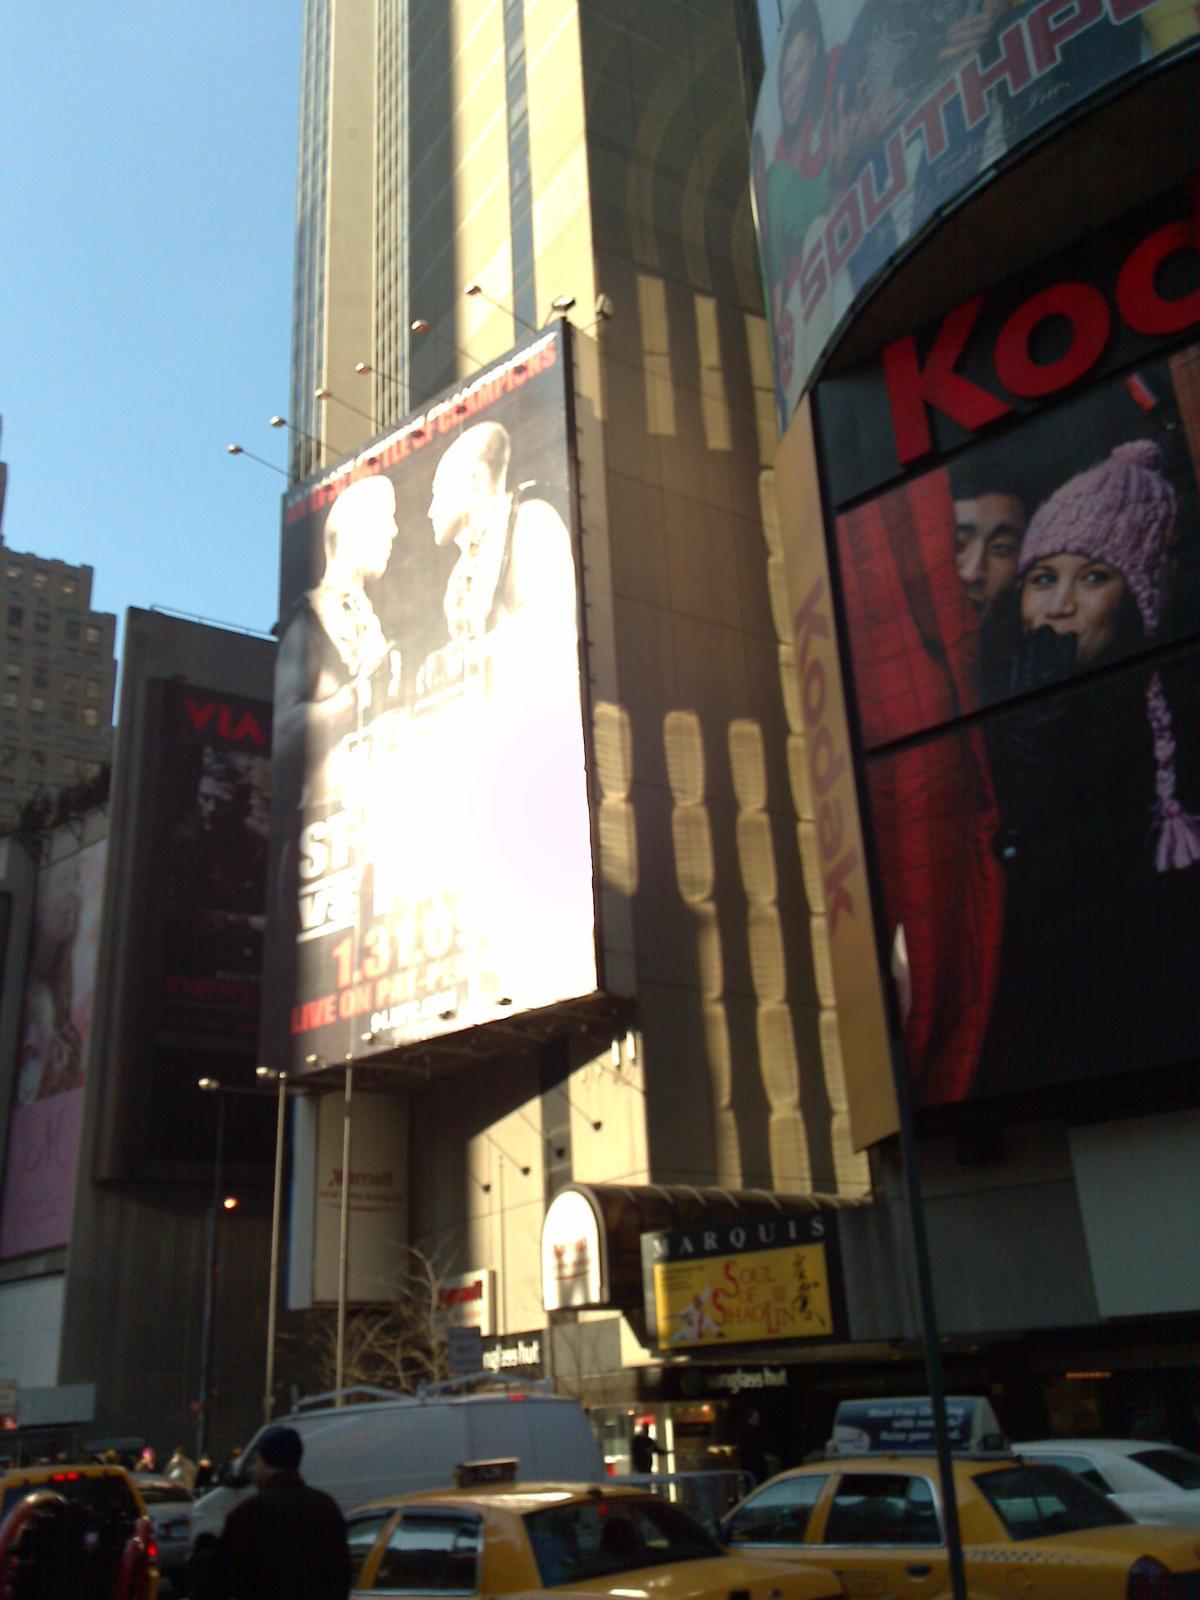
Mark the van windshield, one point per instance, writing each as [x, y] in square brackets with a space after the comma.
[597, 1538]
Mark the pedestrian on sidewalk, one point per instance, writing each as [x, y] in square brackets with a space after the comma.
[181, 1468]
[288, 1541]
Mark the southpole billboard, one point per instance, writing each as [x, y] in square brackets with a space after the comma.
[431, 832]
[877, 115]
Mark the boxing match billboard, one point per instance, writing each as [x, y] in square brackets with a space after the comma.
[431, 833]
[875, 115]
[1024, 645]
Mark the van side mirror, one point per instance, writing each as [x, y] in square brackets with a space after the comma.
[232, 1476]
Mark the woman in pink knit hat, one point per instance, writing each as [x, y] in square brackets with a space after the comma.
[1101, 855]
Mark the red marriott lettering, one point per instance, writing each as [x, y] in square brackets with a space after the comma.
[915, 387]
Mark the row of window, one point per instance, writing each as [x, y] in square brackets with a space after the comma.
[41, 679]
[72, 628]
[89, 715]
[40, 760]
[40, 579]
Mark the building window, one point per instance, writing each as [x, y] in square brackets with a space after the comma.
[10, 698]
[41, 623]
[72, 630]
[14, 571]
[93, 688]
[16, 616]
[12, 669]
[91, 716]
[67, 712]
[37, 705]
[37, 758]
[41, 678]
[70, 767]
[39, 580]
[91, 635]
[68, 587]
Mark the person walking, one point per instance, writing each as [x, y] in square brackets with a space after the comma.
[643, 1448]
[288, 1541]
[181, 1468]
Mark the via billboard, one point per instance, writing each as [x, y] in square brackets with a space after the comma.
[214, 802]
[56, 1025]
[875, 115]
[431, 831]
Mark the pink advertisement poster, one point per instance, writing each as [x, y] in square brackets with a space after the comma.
[43, 1131]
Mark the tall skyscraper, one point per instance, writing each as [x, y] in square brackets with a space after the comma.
[56, 678]
[469, 174]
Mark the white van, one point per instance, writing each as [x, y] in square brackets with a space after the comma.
[391, 1446]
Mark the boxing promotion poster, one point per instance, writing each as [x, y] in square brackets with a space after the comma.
[876, 115]
[431, 833]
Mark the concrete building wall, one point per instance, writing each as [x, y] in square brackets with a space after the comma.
[637, 153]
[56, 680]
[135, 1284]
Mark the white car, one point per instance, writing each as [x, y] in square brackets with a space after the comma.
[1151, 1482]
[169, 1507]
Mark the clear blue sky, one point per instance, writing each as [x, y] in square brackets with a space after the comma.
[145, 292]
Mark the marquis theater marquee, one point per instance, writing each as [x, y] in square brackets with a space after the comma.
[988, 491]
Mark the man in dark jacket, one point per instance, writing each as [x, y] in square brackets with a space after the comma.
[288, 1541]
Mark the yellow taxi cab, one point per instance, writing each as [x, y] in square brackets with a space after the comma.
[103, 1538]
[494, 1537]
[1029, 1531]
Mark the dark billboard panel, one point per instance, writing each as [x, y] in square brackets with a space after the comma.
[876, 114]
[56, 1024]
[1023, 628]
[213, 823]
[432, 834]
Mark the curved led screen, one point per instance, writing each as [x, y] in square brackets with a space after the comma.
[876, 114]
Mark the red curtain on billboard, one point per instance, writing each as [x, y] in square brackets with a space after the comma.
[914, 645]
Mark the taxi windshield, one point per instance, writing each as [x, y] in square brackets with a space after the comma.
[1037, 1502]
[596, 1538]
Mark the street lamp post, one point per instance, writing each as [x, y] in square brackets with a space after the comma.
[276, 1223]
[344, 1241]
[220, 1090]
[210, 1269]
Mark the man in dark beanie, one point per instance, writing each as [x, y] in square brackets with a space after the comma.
[288, 1541]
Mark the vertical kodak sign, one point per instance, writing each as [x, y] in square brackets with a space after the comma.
[830, 830]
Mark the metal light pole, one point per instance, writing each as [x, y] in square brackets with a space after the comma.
[344, 1240]
[210, 1270]
[276, 1220]
[220, 1090]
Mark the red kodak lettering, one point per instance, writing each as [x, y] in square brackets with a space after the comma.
[1138, 299]
[912, 387]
